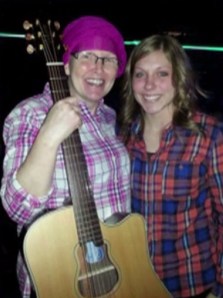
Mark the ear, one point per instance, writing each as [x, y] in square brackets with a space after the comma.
[67, 69]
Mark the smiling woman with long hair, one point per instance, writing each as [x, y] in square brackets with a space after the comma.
[176, 167]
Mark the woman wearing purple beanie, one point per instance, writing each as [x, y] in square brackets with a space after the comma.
[34, 179]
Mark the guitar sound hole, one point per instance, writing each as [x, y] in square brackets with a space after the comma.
[97, 278]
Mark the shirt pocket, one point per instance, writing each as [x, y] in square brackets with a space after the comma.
[183, 180]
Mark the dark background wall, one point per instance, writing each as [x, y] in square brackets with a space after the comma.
[22, 75]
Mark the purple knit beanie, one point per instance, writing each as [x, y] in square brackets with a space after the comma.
[94, 33]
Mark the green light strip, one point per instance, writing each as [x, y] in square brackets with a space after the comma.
[132, 43]
[11, 35]
[186, 47]
[203, 48]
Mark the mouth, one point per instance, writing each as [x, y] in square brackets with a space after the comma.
[95, 82]
[151, 98]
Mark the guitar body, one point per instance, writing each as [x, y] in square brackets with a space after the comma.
[53, 257]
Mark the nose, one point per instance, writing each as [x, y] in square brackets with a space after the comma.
[102, 59]
[149, 82]
[99, 63]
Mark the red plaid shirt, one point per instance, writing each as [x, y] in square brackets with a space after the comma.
[179, 190]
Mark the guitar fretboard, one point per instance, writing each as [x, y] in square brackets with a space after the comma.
[86, 218]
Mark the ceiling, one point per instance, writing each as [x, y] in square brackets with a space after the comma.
[136, 20]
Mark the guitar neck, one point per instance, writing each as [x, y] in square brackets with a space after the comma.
[58, 80]
[78, 180]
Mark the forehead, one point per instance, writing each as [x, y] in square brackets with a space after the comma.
[155, 59]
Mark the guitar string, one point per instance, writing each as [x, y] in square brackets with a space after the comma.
[54, 74]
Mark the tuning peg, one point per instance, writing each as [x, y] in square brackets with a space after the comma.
[29, 36]
[27, 25]
[30, 49]
[57, 25]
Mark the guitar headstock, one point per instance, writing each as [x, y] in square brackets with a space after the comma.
[43, 38]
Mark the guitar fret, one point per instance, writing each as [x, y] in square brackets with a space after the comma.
[54, 63]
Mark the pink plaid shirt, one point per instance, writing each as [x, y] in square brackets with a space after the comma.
[107, 160]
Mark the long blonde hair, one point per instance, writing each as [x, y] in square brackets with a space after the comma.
[184, 80]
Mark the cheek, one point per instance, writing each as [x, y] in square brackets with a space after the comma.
[109, 85]
[169, 90]
[111, 77]
[77, 73]
[137, 85]
[166, 85]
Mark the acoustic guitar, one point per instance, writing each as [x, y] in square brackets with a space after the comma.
[69, 252]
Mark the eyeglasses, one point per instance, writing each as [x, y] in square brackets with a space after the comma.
[91, 58]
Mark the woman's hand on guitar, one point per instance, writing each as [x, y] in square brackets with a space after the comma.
[62, 120]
